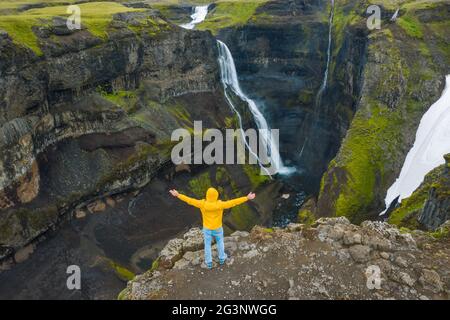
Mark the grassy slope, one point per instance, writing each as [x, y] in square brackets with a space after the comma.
[370, 150]
[229, 13]
[439, 180]
[96, 16]
[16, 4]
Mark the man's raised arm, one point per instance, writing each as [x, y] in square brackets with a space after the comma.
[191, 201]
[235, 202]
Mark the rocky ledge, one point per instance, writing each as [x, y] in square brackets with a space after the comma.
[332, 259]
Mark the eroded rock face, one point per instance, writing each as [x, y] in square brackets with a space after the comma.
[290, 49]
[436, 209]
[429, 205]
[54, 106]
[23, 139]
[175, 61]
[399, 84]
[300, 262]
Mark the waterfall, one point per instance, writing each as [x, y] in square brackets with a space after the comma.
[395, 16]
[199, 15]
[325, 77]
[230, 81]
[323, 86]
[431, 144]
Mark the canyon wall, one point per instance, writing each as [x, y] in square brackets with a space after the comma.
[380, 82]
[280, 51]
[83, 116]
[407, 61]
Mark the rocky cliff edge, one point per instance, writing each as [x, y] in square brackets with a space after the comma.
[332, 259]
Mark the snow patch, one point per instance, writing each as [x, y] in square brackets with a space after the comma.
[431, 144]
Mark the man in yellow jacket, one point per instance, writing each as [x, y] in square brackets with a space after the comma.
[212, 213]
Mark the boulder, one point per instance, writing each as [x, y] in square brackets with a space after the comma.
[406, 279]
[350, 238]
[80, 214]
[360, 253]
[193, 240]
[96, 206]
[171, 253]
[431, 280]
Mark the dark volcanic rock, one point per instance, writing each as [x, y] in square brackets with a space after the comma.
[281, 63]
[398, 85]
[62, 143]
[436, 209]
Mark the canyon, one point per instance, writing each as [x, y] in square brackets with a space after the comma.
[86, 117]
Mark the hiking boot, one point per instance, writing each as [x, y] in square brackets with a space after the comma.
[209, 265]
[222, 261]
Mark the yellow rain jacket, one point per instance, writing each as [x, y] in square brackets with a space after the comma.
[212, 208]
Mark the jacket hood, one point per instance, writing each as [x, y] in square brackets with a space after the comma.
[212, 194]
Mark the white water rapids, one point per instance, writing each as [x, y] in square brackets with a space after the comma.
[197, 17]
[431, 144]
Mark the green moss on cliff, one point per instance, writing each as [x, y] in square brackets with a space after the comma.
[442, 233]
[409, 207]
[123, 294]
[230, 13]
[122, 272]
[155, 265]
[200, 184]
[343, 17]
[20, 30]
[13, 5]
[306, 213]
[306, 216]
[363, 155]
[182, 115]
[253, 173]
[402, 63]
[152, 27]
[123, 168]
[406, 214]
[243, 217]
[96, 16]
[125, 99]
[411, 26]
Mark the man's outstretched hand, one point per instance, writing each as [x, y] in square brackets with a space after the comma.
[251, 196]
[174, 193]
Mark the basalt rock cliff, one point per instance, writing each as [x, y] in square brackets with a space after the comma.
[88, 113]
[84, 116]
[349, 136]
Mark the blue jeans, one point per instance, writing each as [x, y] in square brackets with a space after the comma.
[218, 235]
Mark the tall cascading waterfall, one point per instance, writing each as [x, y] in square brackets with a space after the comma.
[199, 15]
[431, 144]
[323, 86]
[230, 81]
[325, 77]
